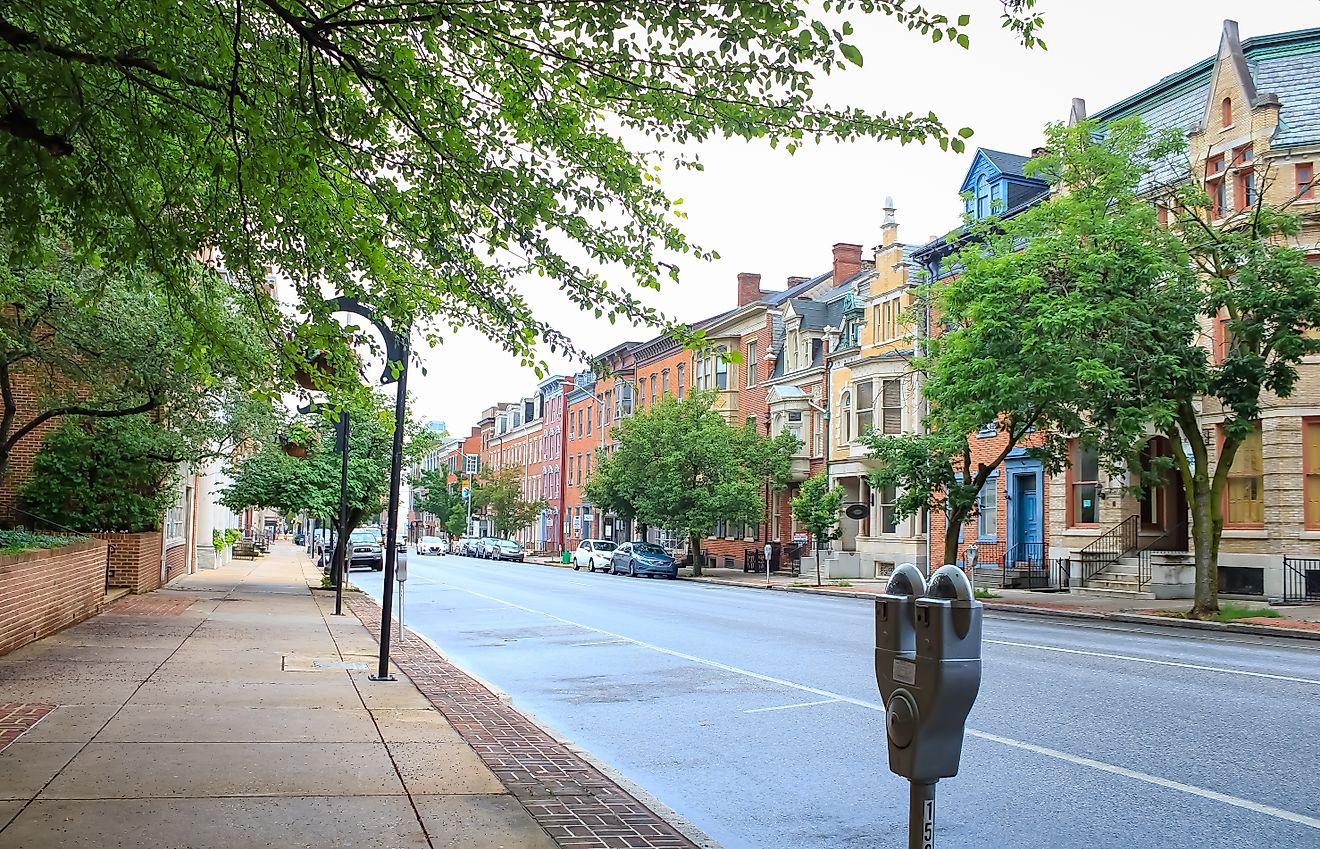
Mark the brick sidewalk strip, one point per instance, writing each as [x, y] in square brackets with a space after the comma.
[572, 800]
[151, 604]
[17, 717]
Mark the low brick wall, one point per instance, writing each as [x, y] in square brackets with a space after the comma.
[49, 589]
[176, 561]
[134, 560]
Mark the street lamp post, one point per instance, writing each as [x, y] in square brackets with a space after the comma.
[341, 544]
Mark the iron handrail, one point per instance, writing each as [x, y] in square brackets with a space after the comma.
[1110, 547]
[1301, 579]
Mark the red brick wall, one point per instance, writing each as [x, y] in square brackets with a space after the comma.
[135, 560]
[47, 590]
[23, 454]
[176, 561]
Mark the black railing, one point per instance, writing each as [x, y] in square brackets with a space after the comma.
[1108, 548]
[1301, 580]
[982, 555]
[1175, 535]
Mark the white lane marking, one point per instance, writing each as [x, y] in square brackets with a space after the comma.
[790, 707]
[1245, 804]
[1177, 664]
[599, 643]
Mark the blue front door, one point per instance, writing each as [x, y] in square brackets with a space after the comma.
[1026, 525]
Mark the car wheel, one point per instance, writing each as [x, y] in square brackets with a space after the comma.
[632, 570]
[591, 565]
[576, 565]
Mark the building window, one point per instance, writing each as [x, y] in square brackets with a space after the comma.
[721, 371]
[865, 408]
[1083, 486]
[682, 373]
[1244, 194]
[654, 383]
[664, 382]
[1223, 337]
[886, 320]
[888, 513]
[588, 418]
[174, 518]
[983, 197]
[891, 407]
[1245, 497]
[1226, 112]
[751, 363]
[987, 512]
[1214, 170]
[845, 418]
[1311, 466]
[1305, 173]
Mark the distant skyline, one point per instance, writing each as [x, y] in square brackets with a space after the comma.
[777, 214]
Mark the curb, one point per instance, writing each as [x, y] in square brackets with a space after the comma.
[1087, 615]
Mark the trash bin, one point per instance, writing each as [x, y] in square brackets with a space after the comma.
[564, 557]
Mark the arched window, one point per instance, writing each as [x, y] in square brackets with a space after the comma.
[1226, 112]
[845, 418]
[983, 197]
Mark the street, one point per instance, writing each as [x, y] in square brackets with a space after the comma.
[755, 715]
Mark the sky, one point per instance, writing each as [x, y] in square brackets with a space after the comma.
[777, 214]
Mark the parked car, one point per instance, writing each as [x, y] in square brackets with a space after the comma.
[486, 547]
[466, 546]
[401, 543]
[642, 560]
[504, 549]
[593, 553]
[365, 548]
[431, 545]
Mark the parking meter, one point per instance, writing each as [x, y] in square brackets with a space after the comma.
[928, 669]
[401, 575]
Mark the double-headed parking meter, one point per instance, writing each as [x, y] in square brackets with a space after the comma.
[928, 669]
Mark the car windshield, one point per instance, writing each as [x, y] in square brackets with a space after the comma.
[430, 539]
[647, 548]
[603, 546]
[362, 536]
[508, 544]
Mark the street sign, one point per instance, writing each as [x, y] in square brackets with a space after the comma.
[467, 493]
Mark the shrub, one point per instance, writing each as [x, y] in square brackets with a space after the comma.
[103, 475]
[13, 542]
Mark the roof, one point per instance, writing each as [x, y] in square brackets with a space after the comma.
[1009, 164]
[1286, 64]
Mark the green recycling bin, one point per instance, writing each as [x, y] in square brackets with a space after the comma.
[565, 557]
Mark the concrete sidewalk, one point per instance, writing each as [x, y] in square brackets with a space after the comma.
[219, 713]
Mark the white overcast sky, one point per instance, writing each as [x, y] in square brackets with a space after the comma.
[768, 212]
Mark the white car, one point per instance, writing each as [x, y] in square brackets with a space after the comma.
[594, 554]
[431, 545]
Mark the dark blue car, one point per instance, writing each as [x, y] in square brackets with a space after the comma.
[642, 560]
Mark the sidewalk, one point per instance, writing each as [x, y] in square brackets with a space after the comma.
[232, 709]
[1302, 621]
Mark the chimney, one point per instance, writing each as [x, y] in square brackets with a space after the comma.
[847, 261]
[749, 287]
[888, 230]
[1039, 151]
[793, 281]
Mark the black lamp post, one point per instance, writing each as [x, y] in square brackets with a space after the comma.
[396, 357]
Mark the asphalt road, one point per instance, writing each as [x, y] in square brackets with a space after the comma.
[755, 715]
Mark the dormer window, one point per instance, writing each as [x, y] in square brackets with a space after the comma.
[1226, 113]
[983, 197]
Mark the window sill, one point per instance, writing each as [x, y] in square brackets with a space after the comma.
[1248, 532]
[987, 541]
[1087, 527]
[1310, 533]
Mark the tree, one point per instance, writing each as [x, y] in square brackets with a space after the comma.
[271, 478]
[680, 465]
[1249, 277]
[816, 508]
[432, 496]
[425, 157]
[103, 474]
[92, 342]
[500, 494]
[1040, 323]
[457, 524]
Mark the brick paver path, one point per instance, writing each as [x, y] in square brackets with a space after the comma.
[572, 800]
[17, 717]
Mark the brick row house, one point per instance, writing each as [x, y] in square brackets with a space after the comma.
[830, 356]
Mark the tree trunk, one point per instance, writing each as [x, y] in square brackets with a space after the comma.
[1205, 544]
[951, 534]
[694, 548]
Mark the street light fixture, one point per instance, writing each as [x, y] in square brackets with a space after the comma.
[395, 371]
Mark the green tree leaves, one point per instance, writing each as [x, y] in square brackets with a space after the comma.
[681, 466]
[500, 495]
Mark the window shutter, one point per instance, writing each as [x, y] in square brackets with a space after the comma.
[891, 401]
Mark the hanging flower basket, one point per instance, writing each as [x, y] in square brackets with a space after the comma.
[317, 365]
[296, 450]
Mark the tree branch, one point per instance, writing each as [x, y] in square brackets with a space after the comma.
[146, 406]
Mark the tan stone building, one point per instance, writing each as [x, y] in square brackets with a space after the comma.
[1252, 117]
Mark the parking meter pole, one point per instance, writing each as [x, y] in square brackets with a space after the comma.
[400, 612]
[921, 816]
[341, 541]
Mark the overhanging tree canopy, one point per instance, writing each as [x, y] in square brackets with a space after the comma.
[422, 156]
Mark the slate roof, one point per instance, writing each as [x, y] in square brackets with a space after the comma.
[1009, 164]
[1286, 64]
